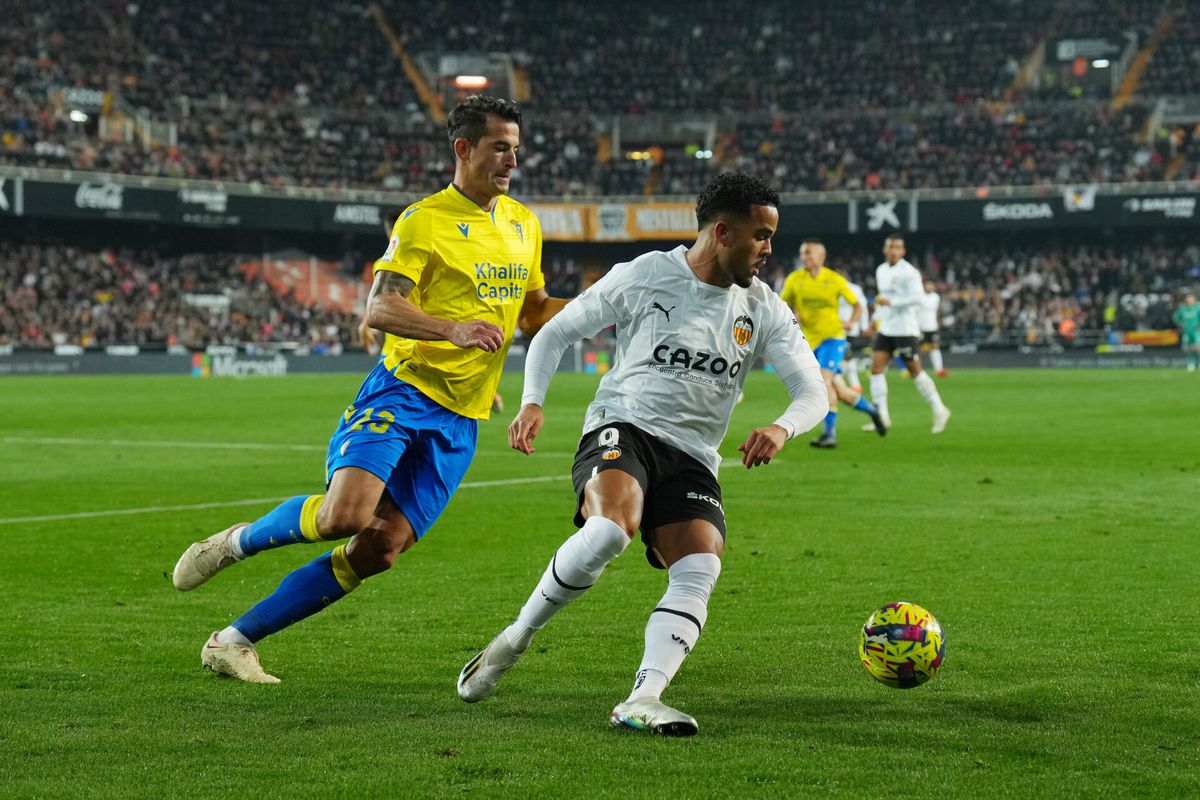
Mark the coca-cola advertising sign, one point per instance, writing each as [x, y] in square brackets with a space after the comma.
[102, 196]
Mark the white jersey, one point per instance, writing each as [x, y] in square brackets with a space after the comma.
[845, 311]
[683, 349]
[931, 302]
[902, 286]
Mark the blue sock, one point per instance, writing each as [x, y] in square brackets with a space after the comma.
[866, 406]
[831, 423]
[294, 520]
[302, 593]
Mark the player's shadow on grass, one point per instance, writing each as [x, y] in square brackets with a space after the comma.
[891, 710]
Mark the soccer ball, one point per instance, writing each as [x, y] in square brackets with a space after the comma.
[902, 645]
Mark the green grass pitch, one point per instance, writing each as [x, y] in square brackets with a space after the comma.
[1051, 529]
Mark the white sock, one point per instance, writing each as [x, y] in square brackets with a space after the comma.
[925, 386]
[935, 359]
[232, 635]
[675, 624]
[573, 569]
[852, 374]
[879, 393]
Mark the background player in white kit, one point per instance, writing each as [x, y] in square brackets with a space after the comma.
[690, 323]
[931, 343]
[897, 302]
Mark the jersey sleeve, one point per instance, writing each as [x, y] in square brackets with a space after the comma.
[789, 353]
[410, 246]
[785, 346]
[537, 280]
[788, 295]
[602, 304]
[908, 290]
[845, 292]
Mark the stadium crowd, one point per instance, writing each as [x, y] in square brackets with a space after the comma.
[55, 295]
[318, 99]
[1048, 293]
[992, 294]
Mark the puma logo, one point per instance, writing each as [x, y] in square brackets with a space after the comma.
[666, 311]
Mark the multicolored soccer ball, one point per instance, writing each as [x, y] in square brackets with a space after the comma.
[902, 645]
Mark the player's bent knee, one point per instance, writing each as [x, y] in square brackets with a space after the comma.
[375, 550]
[337, 521]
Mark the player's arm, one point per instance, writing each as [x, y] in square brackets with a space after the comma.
[909, 292]
[538, 309]
[389, 310]
[583, 317]
[368, 337]
[796, 366]
[847, 294]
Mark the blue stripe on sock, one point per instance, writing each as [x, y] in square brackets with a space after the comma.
[277, 528]
[831, 423]
[865, 405]
[302, 593]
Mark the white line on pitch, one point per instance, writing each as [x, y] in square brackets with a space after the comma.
[120, 512]
[199, 445]
[159, 443]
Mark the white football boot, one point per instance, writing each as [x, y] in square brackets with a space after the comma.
[940, 418]
[648, 714]
[206, 558]
[481, 674]
[235, 660]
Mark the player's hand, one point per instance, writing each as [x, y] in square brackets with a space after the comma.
[369, 338]
[882, 301]
[762, 444]
[476, 333]
[525, 427]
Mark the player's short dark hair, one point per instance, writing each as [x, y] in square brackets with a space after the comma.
[468, 120]
[897, 236]
[733, 193]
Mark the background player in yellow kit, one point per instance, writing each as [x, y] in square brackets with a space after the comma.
[401, 448]
[812, 292]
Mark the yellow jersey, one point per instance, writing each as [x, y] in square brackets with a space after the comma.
[467, 264]
[815, 303]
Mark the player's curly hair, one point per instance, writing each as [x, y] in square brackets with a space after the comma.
[733, 193]
[468, 120]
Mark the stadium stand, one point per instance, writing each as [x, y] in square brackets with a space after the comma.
[820, 101]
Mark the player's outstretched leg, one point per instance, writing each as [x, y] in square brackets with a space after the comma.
[235, 659]
[935, 361]
[671, 634]
[879, 396]
[294, 520]
[303, 592]
[573, 569]
[859, 403]
[929, 392]
[828, 438]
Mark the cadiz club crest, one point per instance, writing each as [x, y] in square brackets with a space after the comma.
[743, 329]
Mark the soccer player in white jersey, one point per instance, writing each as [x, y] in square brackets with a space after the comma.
[690, 323]
[856, 332]
[897, 303]
[931, 341]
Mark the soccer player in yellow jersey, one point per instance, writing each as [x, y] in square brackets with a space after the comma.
[473, 258]
[376, 343]
[812, 292]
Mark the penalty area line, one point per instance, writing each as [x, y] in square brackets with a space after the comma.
[122, 512]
